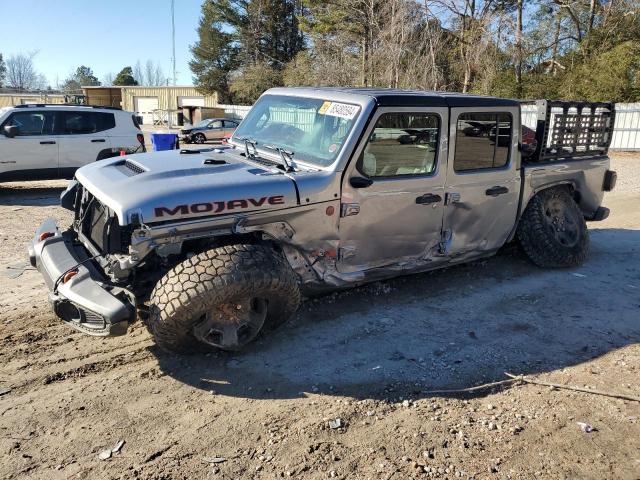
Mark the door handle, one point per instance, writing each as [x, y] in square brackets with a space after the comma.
[495, 191]
[428, 198]
[360, 182]
[98, 140]
[48, 142]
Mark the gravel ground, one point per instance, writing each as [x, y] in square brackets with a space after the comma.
[369, 357]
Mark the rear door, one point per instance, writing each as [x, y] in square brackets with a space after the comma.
[483, 180]
[83, 135]
[33, 152]
[393, 195]
[230, 126]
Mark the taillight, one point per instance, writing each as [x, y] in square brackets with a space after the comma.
[69, 275]
[140, 138]
[45, 235]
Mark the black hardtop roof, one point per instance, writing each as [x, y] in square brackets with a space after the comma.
[389, 97]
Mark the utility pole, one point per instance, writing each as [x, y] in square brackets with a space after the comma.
[173, 41]
[173, 57]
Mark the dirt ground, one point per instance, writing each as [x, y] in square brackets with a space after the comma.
[368, 357]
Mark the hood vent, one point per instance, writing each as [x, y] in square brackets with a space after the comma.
[129, 168]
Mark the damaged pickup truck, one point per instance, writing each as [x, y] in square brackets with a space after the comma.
[320, 189]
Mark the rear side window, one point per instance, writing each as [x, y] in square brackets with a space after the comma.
[31, 123]
[78, 123]
[482, 141]
[230, 124]
[401, 144]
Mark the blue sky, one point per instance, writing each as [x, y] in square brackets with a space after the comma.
[105, 35]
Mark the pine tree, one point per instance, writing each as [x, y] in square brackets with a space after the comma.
[239, 39]
[125, 77]
[216, 52]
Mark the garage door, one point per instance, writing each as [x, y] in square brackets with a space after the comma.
[191, 101]
[144, 107]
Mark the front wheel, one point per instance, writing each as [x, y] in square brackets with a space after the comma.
[552, 230]
[199, 138]
[222, 298]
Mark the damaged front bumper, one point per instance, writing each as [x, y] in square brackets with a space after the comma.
[78, 292]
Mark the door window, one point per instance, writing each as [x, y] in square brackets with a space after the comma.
[229, 124]
[216, 124]
[31, 123]
[79, 123]
[401, 144]
[482, 141]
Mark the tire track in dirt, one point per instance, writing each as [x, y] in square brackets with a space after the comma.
[86, 369]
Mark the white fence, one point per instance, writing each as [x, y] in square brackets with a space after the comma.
[626, 130]
[236, 112]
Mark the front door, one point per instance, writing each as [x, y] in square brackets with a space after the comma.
[393, 195]
[483, 180]
[33, 152]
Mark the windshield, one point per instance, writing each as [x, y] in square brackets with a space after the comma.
[313, 129]
[202, 123]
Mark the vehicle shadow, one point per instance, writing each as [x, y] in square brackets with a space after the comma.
[451, 328]
[22, 194]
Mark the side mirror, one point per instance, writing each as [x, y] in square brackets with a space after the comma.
[10, 131]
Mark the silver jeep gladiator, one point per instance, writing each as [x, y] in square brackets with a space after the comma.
[320, 188]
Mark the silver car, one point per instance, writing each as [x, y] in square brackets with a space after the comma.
[209, 129]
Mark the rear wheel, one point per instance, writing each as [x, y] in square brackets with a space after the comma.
[552, 230]
[222, 298]
[199, 138]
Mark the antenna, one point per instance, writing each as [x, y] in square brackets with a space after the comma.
[173, 41]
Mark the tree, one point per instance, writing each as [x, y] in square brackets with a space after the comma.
[153, 74]
[21, 73]
[125, 77]
[82, 77]
[216, 53]
[242, 37]
[138, 73]
[3, 71]
[249, 84]
[107, 80]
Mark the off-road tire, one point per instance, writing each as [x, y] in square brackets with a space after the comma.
[216, 277]
[546, 240]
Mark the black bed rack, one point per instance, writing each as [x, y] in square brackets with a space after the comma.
[567, 129]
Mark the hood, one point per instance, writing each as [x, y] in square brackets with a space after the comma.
[165, 186]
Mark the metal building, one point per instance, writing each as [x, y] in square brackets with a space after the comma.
[161, 105]
[103, 96]
[11, 99]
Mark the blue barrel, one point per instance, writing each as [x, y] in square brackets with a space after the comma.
[164, 141]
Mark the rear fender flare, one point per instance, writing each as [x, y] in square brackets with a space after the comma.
[107, 153]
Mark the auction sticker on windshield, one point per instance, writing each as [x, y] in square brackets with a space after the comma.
[342, 110]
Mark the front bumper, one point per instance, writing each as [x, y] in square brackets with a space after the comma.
[85, 301]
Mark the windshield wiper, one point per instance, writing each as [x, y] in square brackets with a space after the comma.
[249, 141]
[286, 155]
